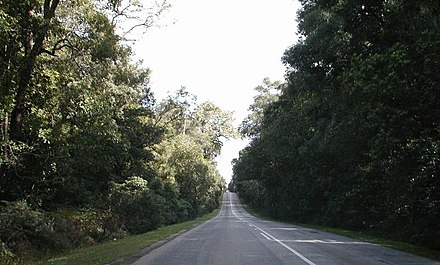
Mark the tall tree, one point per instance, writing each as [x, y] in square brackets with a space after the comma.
[67, 79]
[268, 92]
[185, 160]
[352, 140]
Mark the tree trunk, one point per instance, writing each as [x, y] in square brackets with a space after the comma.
[35, 45]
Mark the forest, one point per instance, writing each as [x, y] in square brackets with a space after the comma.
[351, 138]
[87, 153]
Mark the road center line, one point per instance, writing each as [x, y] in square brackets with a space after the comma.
[269, 236]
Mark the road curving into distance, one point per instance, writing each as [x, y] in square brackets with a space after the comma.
[236, 237]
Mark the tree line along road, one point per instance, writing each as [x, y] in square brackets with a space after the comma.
[236, 237]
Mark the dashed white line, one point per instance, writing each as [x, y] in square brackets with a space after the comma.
[271, 237]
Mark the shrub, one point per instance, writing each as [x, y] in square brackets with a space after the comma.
[143, 210]
[23, 229]
[31, 232]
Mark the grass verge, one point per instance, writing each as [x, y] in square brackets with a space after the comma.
[402, 246]
[111, 251]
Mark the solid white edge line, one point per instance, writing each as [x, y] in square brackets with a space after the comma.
[299, 255]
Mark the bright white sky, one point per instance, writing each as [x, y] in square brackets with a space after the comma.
[220, 50]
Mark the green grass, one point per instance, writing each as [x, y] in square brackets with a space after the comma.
[402, 246]
[117, 250]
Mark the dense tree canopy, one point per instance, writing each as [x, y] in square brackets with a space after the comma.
[86, 152]
[353, 139]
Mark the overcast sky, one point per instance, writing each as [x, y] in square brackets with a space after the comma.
[220, 50]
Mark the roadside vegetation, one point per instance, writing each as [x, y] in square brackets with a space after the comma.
[351, 138]
[119, 251]
[87, 155]
[364, 236]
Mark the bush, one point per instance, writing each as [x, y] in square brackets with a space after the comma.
[87, 226]
[23, 229]
[143, 210]
[28, 232]
[6, 255]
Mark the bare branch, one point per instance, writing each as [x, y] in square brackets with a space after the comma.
[135, 16]
[119, 13]
[59, 45]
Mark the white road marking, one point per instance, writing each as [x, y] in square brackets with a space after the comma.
[267, 235]
[284, 228]
[328, 241]
[263, 234]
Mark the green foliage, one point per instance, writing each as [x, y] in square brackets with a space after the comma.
[21, 229]
[27, 233]
[353, 139]
[86, 155]
[185, 160]
[141, 208]
[268, 93]
[121, 250]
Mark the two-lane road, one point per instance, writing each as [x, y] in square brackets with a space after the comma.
[236, 237]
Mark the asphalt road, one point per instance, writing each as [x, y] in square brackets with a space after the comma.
[236, 237]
